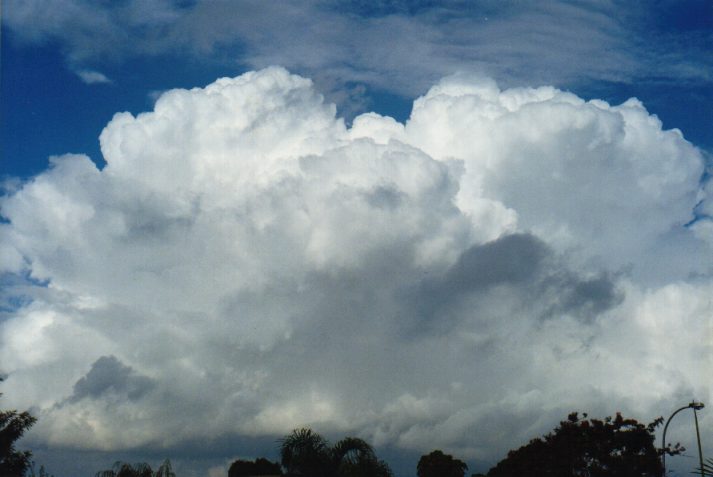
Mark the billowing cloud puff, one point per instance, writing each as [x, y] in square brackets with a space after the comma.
[245, 263]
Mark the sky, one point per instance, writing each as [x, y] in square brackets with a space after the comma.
[432, 225]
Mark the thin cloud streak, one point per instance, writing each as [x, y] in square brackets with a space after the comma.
[93, 77]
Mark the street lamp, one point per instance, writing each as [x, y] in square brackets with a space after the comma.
[696, 406]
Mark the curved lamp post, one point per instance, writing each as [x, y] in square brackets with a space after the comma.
[696, 406]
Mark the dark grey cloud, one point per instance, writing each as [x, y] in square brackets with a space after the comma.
[387, 197]
[109, 376]
[529, 272]
[588, 297]
[512, 259]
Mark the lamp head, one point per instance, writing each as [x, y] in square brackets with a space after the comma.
[696, 405]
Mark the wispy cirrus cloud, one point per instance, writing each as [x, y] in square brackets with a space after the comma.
[395, 48]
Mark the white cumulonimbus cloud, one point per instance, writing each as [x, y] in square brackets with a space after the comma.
[246, 263]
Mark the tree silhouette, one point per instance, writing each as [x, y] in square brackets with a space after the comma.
[306, 453]
[165, 470]
[14, 463]
[42, 472]
[247, 468]
[124, 469]
[613, 447]
[141, 469]
[438, 464]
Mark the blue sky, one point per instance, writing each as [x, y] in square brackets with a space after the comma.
[237, 258]
[661, 37]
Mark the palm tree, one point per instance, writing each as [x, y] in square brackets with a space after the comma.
[165, 470]
[124, 469]
[353, 457]
[307, 454]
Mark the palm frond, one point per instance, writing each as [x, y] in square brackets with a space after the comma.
[707, 468]
[304, 450]
[352, 450]
[165, 470]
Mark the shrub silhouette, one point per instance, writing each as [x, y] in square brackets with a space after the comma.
[248, 468]
[438, 464]
[13, 424]
[612, 447]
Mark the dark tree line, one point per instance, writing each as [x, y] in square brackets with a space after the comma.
[141, 469]
[609, 447]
